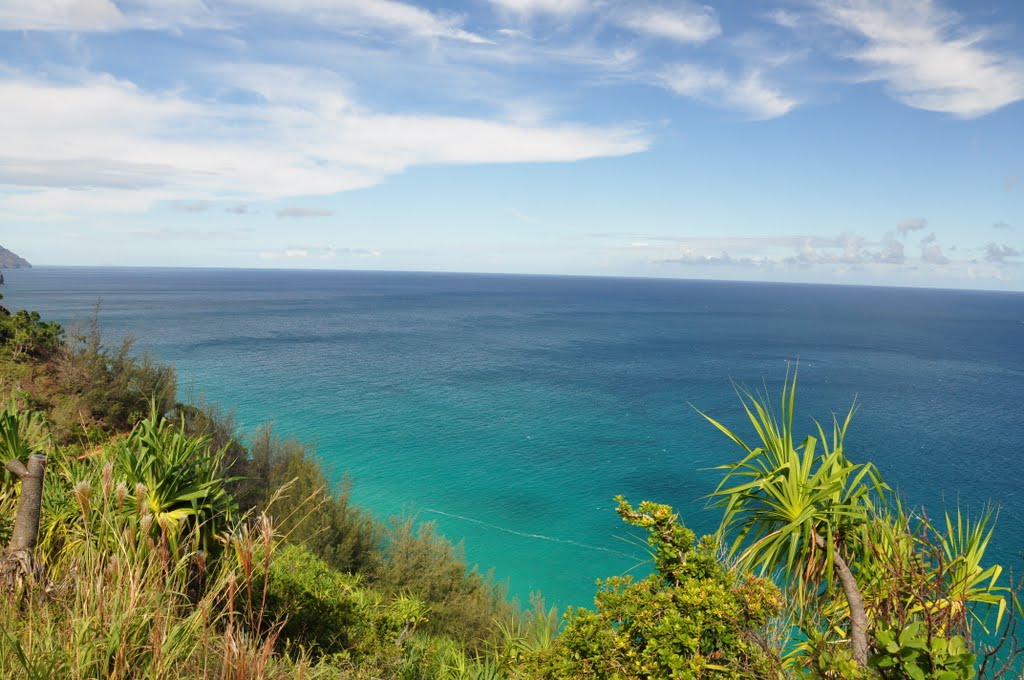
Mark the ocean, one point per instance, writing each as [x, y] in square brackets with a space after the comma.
[510, 410]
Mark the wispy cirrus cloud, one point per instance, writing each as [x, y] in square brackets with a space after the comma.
[684, 23]
[551, 7]
[406, 18]
[748, 93]
[927, 56]
[345, 15]
[104, 15]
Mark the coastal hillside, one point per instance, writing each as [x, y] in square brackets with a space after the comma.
[163, 543]
[9, 260]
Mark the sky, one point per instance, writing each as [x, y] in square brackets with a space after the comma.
[844, 141]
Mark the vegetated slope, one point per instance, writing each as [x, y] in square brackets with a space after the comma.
[172, 546]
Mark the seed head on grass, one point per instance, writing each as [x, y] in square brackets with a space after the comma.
[141, 496]
[106, 476]
[83, 492]
[120, 494]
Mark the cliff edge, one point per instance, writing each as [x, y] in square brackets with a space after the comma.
[9, 260]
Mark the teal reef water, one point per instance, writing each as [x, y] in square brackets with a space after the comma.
[510, 410]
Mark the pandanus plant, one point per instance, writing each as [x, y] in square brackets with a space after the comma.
[23, 441]
[802, 510]
[177, 480]
[797, 507]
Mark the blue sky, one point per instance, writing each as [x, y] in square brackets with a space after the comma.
[848, 141]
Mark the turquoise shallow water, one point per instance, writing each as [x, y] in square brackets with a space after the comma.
[510, 410]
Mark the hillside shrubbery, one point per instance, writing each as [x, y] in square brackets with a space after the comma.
[172, 546]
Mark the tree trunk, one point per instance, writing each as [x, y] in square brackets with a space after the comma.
[17, 561]
[858, 616]
[854, 598]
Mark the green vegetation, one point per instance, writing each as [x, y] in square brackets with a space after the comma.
[875, 590]
[172, 546]
[693, 618]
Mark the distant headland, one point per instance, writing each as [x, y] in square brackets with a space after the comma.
[9, 260]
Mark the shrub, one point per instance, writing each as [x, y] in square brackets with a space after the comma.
[283, 479]
[101, 389]
[317, 605]
[25, 336]
[464, 603]
[691, 619]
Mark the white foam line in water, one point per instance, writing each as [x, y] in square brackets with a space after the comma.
[542, 537]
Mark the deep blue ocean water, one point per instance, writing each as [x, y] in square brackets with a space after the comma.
[511, 409]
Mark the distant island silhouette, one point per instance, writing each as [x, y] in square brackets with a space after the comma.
[9, 260]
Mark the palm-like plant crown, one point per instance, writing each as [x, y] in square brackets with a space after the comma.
[792, 507]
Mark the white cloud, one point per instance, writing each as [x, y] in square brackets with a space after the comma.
[749, 93]
[361, 14]
[49, 203]
[932, 253]
[530, 7]
[853, 245]
[685, 23]
[998, 253]
[80, 173]
[304, 212]
[784, 18]
[927, 59]
[57, 15]
[315, 252]
[911, 224]
[151, 147]
[722, 259]
[194, 206]
[892, 250]
[846, 252]
[105, 15]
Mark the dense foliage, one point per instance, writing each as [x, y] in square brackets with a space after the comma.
[693, 618]
[173, 546]
[876, 590]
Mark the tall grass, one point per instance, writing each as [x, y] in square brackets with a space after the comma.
[119, 604]
[143, 574]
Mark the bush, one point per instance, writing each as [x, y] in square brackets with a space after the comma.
[102, 390]
[25, 336]
[691, 619]
[283, 479]
[317, 605]
[464, 603]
